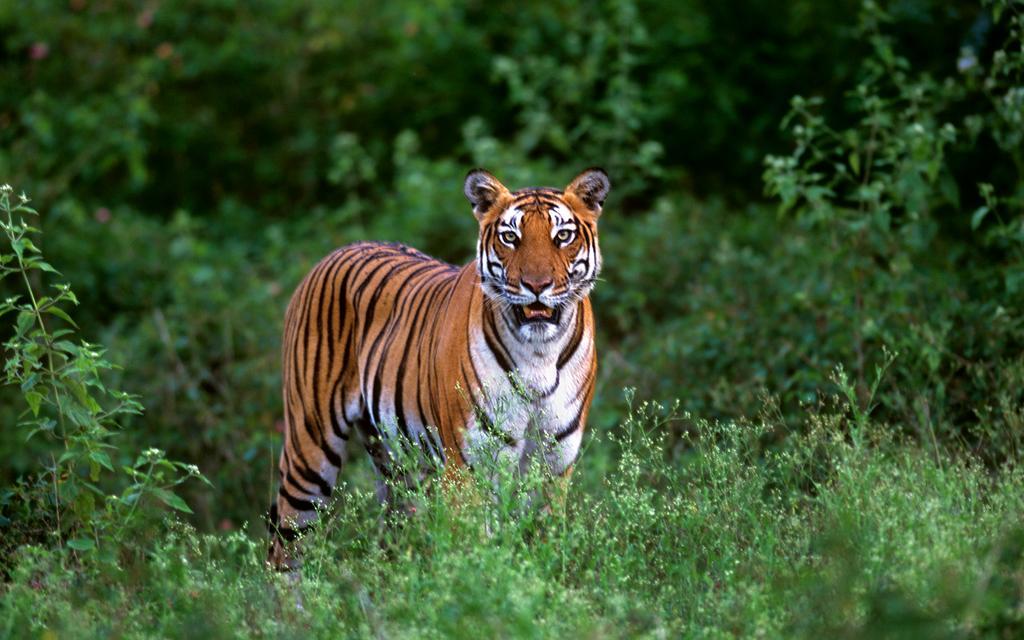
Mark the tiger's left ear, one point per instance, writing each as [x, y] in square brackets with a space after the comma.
[591, 188]
[482, 190]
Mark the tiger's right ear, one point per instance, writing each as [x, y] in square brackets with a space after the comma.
[482, 190]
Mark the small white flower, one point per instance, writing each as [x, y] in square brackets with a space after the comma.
[6, 188]
[966, 61]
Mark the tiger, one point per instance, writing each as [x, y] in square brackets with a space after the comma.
[385, 342]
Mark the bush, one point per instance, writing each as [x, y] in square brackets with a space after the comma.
[68, 504]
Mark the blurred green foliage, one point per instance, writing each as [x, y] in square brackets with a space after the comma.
[194, 159]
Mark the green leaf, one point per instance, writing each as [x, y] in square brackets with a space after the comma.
[30, 382]
[42, 426]
[45, 266]
[91, 487]
[102, 458]
[81, 544]
[855, 162]
[979, 215]
[65, 346]
[83, 397]
[34, 400]
[171, 500]
[60, 313]
[25, 320]
[28, 244]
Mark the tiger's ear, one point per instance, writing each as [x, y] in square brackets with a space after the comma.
[482, 190]
[591, 188]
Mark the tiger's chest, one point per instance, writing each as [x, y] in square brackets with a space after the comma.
[534, 409]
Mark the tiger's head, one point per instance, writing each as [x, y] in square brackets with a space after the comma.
[537, 251]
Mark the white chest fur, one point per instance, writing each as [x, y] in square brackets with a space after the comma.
[537, 407]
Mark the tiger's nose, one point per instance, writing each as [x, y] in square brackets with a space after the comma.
[536, 286]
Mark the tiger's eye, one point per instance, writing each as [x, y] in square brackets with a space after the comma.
[508, 237]
[563, 236]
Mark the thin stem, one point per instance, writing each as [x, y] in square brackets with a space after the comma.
[145, 483]
[47, 339]
[56, 502]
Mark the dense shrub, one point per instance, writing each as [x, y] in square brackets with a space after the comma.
[187, 104]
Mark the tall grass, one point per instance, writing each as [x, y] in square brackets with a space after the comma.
[823, 536]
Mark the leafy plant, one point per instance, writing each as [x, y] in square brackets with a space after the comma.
[61, 383]
[886, 193]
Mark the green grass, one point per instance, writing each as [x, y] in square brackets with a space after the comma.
[816, 537]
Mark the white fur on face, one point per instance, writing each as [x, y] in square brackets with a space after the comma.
[583, 269]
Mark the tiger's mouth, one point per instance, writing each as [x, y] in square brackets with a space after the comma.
[537, 312]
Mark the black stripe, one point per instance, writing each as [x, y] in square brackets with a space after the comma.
[335, 308]
[349, 336]
[296, 460]
[334, 262]
[296, 503]
[547, 392]
[370, 312]
[423, 355]
[573, 426]
[339, 316]
[325, 281]
[363, 285]
[300, 371]
[415, 295]
[291, 480]
[574, 343]
[494, 343]
[395, 316]
[585, 385]
[480, 412]
[313, 477]
[332, 456]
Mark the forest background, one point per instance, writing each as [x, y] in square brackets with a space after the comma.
[812, 297]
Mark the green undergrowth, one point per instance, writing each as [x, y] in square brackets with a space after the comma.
[828, 535]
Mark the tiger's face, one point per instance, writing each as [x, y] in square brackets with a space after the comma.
[537, 252]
